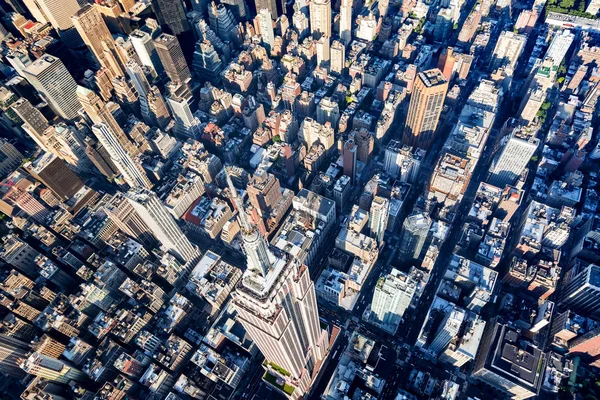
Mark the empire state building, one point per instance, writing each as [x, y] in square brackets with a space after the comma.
[277, 306]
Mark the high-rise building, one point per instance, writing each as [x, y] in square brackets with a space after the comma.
[338, 57]
[52, 369]
[349, 152]
[509, 362]
[449, 328]
[171, 56]
[49, 76]
[207, 64]
[186, 124]
[514, 157]
[266, 28]
[582, 292]
[58, 13]
[144, 47]
[426, 103]
[346, 22]
[277, 306]
[508, 49]
[414, 233]
[561, 42]
[95, 34]
[56, 175]
[12, 351]
[99, 113]
[132, 172]
[171, 16]
[270, 5]
[380, 209]
[34, 122]
[10, 157]
[264, 191]
[320, 18]
[161, 223]
[392, 296]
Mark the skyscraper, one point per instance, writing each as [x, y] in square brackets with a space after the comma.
[186, 124]
[349, 152]
[449, 327]
[12, 351]
[413, 236]
[320, 18]
[58, 13]
[52, 369]
[95, 34]
[516, 153]
[380, 208]
[49, 76]
[426, 103]
[270, 5]
[392, 296]
[132, 172]
[10, 157]
[346, 21]
[144, 47]
[277, 306]
[172, 58]
[34, 122]
[582, 293]
[56, 175]
[266, 28]
[99, 113]
[338, 57]
[161, 223]
[171, 16]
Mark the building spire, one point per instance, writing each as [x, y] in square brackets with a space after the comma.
[259, 257]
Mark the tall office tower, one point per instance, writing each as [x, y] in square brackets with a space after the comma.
[349, 152]
[320, 18]
[52, 369]
[34, 122]
[100, 158]
[12, 351]
[222, 21]
[55, 174]
[161, 223]
[264, 191]
[560, 46]
[19, 254]
[277, 306]
[58, 13]
[323, 51]
[99, 113]
[171, 16]
[266, 28]
[144, 47]
[172, 58]
[10, 157]
[186, 124]
[158, 108]
[95, 34]
[301, 22]
[142, 86]
[392, 297]
[270, 5]
[582, 292]
[415, 230]
[512, 160]
[448, 329]
[380, 209]
[207, 64]
[132, 172]
[49, 76]
[338, 57]
[346, 22]
[426, 103]
[508, 50]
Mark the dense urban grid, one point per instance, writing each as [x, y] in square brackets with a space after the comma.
[301, 199]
